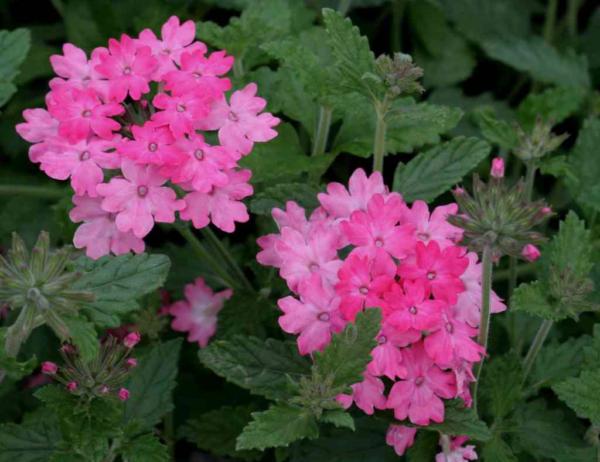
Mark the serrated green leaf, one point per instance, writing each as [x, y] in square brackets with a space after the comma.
[278, 426]
[585, 165]
[344, 360]
[151, 384]
[461, 420]
[581, 394]
[118, 281]
[84, 337]
[145, 448]
[262, 366]
[339, 418]
[434, 171]
[552, 105]
[496, 450]
[216, 431]
[591, 349]
[34, 440]
[531, 298]
[501, 385]
[495, 130]
[11, 367]
[14, 46]
[305, 195]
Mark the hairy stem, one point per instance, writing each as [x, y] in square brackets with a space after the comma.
[322, 131]
[529, 179]
[379, 141]
[35, 191]
[484, 325]
[536, 346]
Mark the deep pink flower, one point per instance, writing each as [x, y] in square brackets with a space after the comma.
[452, 342]
[418, 397]
[151, 144]
[99, 234]
[49, 368]
[132, 339]
[197, 314]
[400, 437]
[139, 199]
[367, 395]
[180, 111]
[222, 205]
[387, 355]
[457, 453]
[497, 170]
[81, 112]
[434, 227]
[123, 394]
[315, 316]
[72, 386]
[340, 202]
[239, 123]
[530, 252]
[408, 307]
[128, 66]
[439, 270]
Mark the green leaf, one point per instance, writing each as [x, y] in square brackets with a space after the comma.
[216, 431]
[303, 194]
[496, 131]
[264, 367]
[425, 447]
[496, 450]
[278, 426]
[461, 420]
[591, 38]
[11, 367]
[14, 46]
[354, 59]
[581, 394]
[33, 441]
[84, 337]
[501, 385]
[434, 171]
[531, 298]
[540, 60]
[552, 105]
[118, 281]
[344, 360]
[247, 314]
[151, 384]
[339, 418]
[145, 448]
[591, 350]
[585, 165]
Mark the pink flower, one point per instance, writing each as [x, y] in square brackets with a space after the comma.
[131, 362]
[340, 202]
[376, 229]
[99, 234]
[434, 227]
[497, 170]
[128, 66]
[387, 355]
[180, 111]
[80, 73]
[530, 252]
[80, 112]
[222, 205]
[49, 368]
[452, 341]
[400, 438]
[315, 316]
[409, 307]
[38, 125]
[457, 453]
[151, 144]
[72, 386]
[439, 270]
[419, 396]
[197, 314]
[123, 394]
[367, 395]
[239, 123]
[139, 199]
[132, 339]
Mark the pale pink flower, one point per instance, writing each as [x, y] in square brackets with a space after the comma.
[131, 362]
[400, 437]
[434, 227]
[531, 253]
[151, 144]
[38, 126]
[367, 395]
[458, 453]
[497, 170]
[198, 313]
[139, 199]
[78, 71]
[99, 234]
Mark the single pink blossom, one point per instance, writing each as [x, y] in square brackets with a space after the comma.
[400, 437]
[434, 227]
[49, 368]
[367, 395]
[530, 252]
[387, 355]
[38, 126]
[452, 342]
[151, 144]
[179, 111]
[408, 307]
[131, 362]
[77, 71]
[497, 170]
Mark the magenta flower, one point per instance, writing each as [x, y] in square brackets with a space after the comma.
[132, 339]
[434, 227]
[139, 199]
[367, 395]
[123, 394]
[409, 307]
[418, 397]
[77, 71]
[180, 111]
[400, 437]
[49, 368]
[453, 342]
[497, 170]
[531, 253]
[38, 125]
[387, 355]
[151, 144]
[197, 314]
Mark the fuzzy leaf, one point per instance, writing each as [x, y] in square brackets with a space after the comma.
[496, 450]
[278, 426]
[552, 105]
[531, 298]
[434, 171]
[33, 441]
[460, 420]
[14, 46]
[264, 367]
[84, 337]
[151, 384]
[585, 164]
[581, 394]
[496, 131]
[339, 418]
[344, 360]
[145, 448]
[118, 281]
[501, 385]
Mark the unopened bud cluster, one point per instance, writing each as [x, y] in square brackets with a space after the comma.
[102, 377]
[399, 74]
[539, 142]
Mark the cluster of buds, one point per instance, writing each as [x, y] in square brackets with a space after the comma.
[399, 74]
[500, 217]
[102, 377]
[40, 284]
[539, 142]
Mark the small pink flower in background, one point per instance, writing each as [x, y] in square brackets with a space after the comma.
[123, 394]
[198, 313]
[72, 386]
[458, 452]
[531, 253]
[132, 339]
[49, 368]
[400, 438]
[497, 170]
[131, 362]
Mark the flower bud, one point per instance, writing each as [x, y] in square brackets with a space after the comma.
[72, 386]
[132, 339]
[497, 170]
[131, 362]
[104, 390]
[49, 368]
[123, 394]
[530, 252]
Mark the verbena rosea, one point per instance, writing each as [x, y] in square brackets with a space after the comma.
[365, 248]
[133, 127]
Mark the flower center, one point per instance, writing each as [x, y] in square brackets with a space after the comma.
[382, 339]
[127, 70]
[166, 51]
[85, 155]
[199, 154]
[423, 236]
[419, 381]
[379, 242]
[152, 147]
[180, 108]
[196, 75]
[413, 310]
[449, 328]
[363, 290]
[233, 116]
[313, 267]
[323, 317]
[431, 275]
[142, 190]
[86, 113]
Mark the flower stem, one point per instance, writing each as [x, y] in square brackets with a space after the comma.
[322, 131]
[484, 325]
[572, 12]
[48, 192]
[529, 179]
[536, 346]
[550, 20]
[238, 68]
[379, 141]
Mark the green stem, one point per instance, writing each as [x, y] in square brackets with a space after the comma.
[536, 346]
[571, 16]
[379, 141]
[210, 235]
[484, 325]
[529, 179]
[238, 68]
[322, 131]
[35, 191]
[169, 426]
[344, 6]
[550, 20]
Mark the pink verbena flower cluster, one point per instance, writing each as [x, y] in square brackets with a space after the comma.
[404, 260]
[129, 128]
[197, 314]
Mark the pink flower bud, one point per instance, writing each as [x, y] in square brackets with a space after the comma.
[131, 362]
[132, 339]
[123, 394]
[546, 210]
[67, 348]
[458, 191]
[49, 368]
[497, 167]
[530, 252]
[72, 386]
